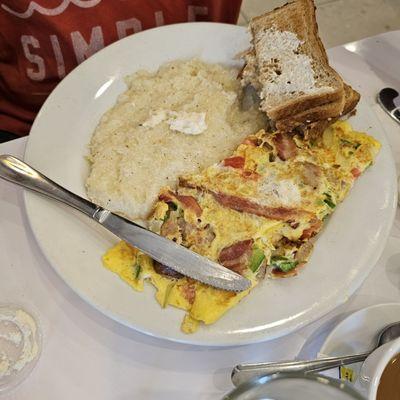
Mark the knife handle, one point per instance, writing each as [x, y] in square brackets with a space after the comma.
[16, 171]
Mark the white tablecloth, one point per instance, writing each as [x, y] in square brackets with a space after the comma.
[86, 355]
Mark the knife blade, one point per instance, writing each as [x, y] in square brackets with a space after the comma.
[165, 251]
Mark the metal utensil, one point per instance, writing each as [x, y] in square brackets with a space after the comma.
[161, 249]
[386, 99]
[244, 372]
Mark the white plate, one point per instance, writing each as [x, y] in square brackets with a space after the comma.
[345, 253]
[357, 333]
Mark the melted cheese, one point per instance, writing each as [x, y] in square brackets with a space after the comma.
[279, 192]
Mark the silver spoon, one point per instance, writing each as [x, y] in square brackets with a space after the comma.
[244, 372]
[386, 98]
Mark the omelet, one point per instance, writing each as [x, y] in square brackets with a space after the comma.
[256, 212]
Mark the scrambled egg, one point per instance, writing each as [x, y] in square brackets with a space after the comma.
[256, 213]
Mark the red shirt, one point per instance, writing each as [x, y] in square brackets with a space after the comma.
[41, 41]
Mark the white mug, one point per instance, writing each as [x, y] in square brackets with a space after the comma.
[373, 367]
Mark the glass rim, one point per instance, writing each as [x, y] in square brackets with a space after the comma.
[316, 377]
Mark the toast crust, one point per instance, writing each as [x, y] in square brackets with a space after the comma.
[325, 111]
[314, 129]
[352, 98]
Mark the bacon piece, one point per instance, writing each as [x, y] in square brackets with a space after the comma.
[252, 141]
[166, 271]
[285, 146]
[189, 292]
[167, 197]
[293, 224]
[236, 256]
[170, 228]
[234, 162]
[185, 183]
[186, 201]
[206, 236]
[355, 172]
[235, 250]
[243, 205]
[314, 228]
[311, 174]
[248, 206]
[304, 251]
[190, 202]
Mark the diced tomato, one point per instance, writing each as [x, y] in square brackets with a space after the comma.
[234, 162]
[252, 175]
[355, 172]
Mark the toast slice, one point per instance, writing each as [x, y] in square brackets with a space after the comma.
[288, 63]
[248, 76]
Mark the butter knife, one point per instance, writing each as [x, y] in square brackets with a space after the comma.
[165, 251]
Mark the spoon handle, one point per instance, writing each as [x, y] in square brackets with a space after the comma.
[244, 372]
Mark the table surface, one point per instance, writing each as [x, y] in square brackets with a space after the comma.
[86, 355]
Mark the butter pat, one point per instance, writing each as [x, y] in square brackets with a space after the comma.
[189, 123]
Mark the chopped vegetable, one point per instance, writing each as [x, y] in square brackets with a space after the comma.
[167, 294]
[355, 145]
[328, 200]
[257, 257]
[283, 263]
[138, 270]
[171, 206]
[166, 216]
